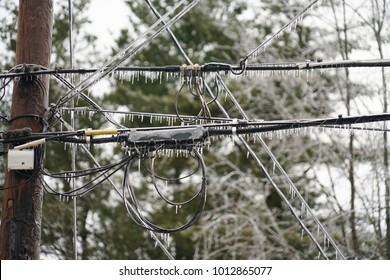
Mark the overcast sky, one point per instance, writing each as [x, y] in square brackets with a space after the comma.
[108, 18]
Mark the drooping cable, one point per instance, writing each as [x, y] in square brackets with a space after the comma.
[141, 220]
[154, 176]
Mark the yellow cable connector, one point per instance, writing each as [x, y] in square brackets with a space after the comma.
[101, 132]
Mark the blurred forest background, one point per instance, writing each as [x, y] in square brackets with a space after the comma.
[343, 175]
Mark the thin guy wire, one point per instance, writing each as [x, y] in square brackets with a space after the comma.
[287, 25]
[74, 147]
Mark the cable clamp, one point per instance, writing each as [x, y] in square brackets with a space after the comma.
[234, 128]
[190, 71]
[305, 64]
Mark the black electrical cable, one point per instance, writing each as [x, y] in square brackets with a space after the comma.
[245, 127]
[177, 109]
[218, 67]
[89, 186]
[4, 118]
[4, 84]
[197, 91]
[157, 188]
[142, 221]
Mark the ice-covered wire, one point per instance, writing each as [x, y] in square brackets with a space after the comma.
[88, 100]
[196, 87]
[238, 127]
[292, 22]
[73, 154]
[4, 83]
[102, 173]
[215, 67]
[143, 40]
[139, 218]
[175, 41]
[170, 118]
[192, 120]
[157, 188]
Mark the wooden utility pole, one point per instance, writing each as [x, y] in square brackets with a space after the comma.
[20, 233]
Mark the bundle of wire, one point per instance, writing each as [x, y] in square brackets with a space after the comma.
[130, 197]
[131, 202]
[102, 172]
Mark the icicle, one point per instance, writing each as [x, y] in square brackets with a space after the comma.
[138, 73]
[247, 155]
[132, 78]
[325, 241]
[139, 166]
[302, 233]
[176, 210]
[90, 115]
[273, 168]
[168, 239]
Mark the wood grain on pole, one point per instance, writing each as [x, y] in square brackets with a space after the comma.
[22, 198]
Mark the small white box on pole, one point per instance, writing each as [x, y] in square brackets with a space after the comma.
[21, 159]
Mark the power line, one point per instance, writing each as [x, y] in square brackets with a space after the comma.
[192, 134]
[210, 67]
